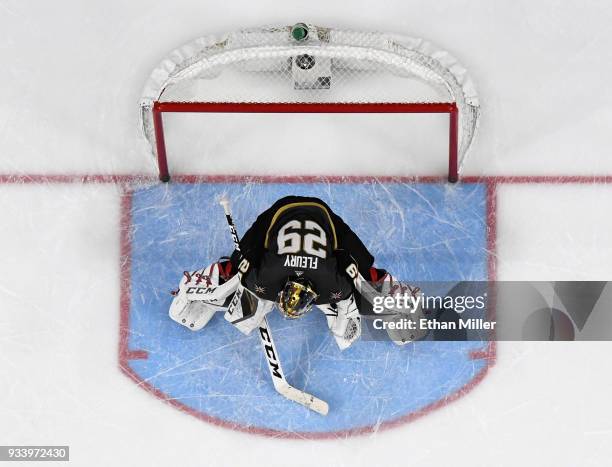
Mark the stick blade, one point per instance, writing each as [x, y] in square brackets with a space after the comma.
[307, 400]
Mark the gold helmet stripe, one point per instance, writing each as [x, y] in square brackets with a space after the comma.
[295, 205]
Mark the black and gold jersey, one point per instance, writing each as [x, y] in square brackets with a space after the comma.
[300, 237]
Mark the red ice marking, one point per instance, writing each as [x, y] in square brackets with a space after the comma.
[304, 179]
[137, 355]
[187, 178]
[312, 435]
[551, 179]
[487, 354]
[75, 178]
[125, 269]
[491, 222]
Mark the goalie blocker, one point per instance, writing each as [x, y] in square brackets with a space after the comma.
[298, 253]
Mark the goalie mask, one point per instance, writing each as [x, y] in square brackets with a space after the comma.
[296, 299]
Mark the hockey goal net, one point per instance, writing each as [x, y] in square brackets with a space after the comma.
[306, 69]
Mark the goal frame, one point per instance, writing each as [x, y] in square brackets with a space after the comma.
[450, 108]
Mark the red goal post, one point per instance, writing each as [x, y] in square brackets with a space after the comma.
[269, 70]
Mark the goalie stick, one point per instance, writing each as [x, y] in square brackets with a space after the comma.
[276, 371]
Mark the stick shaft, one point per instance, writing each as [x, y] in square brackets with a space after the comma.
[230, 222]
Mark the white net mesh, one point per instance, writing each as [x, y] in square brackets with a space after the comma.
[329, 66]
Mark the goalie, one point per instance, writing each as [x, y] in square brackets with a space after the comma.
[297, 254]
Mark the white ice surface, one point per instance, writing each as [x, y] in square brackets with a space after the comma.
[72, 74]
